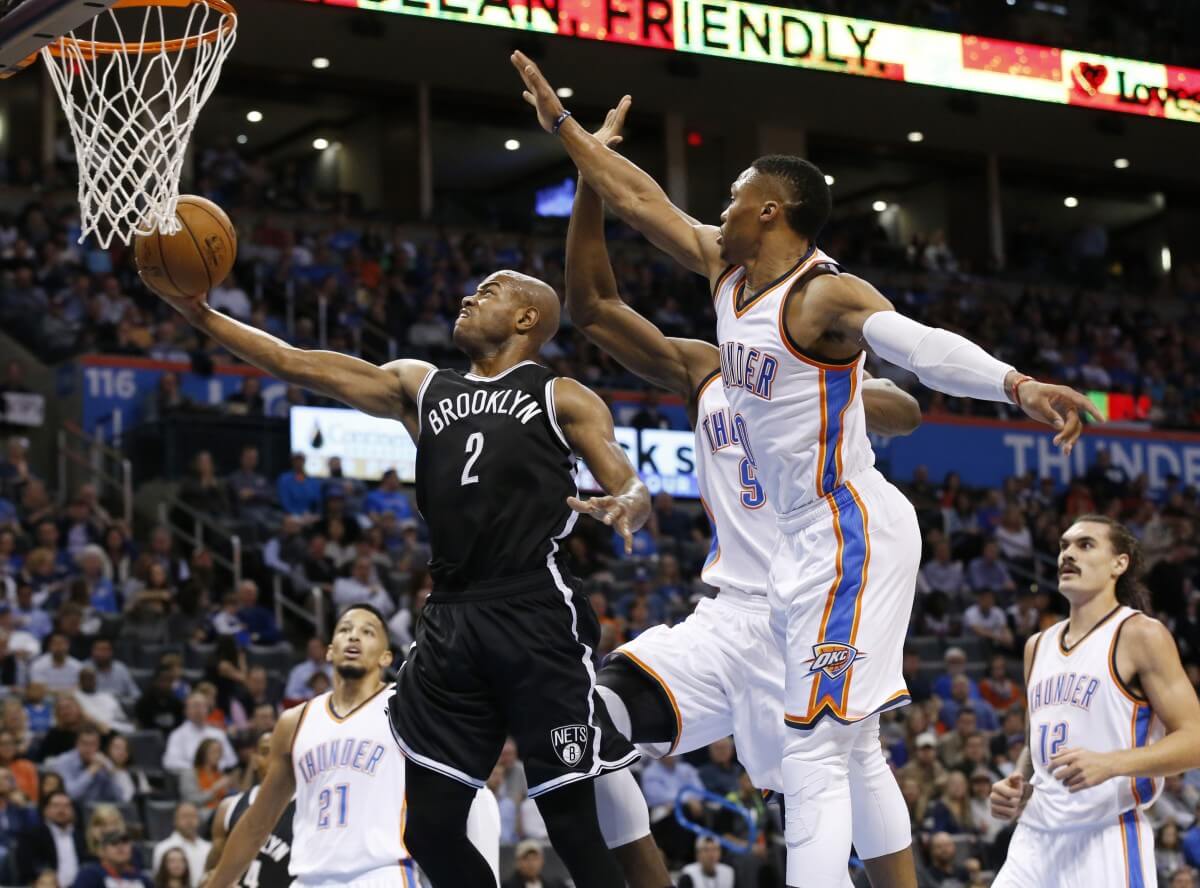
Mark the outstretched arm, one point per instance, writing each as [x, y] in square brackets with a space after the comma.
[388, 391]
[890, 410]
[1148, 651]
[256, 824]
[632, 194]
[599, 313]
[946, 362]
[588, 427]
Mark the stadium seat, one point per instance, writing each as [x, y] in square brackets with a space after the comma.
[160, 818]
[146, 748]
[975, 648]
[929, 648]
[195, 656]
[143, 677]
[277, 658]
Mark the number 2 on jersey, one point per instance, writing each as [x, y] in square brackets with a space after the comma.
[325, 799]
[474, 449]
[1051, 738]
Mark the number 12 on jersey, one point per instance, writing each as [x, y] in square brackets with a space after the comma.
[326, 800]
[1051, 739]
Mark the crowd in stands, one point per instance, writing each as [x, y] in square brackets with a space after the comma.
[372, 282]
[138, 678]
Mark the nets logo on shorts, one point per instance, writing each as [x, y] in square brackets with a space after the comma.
[569, 743]
[833, 658]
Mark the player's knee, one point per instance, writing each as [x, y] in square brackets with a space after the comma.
[621, 808]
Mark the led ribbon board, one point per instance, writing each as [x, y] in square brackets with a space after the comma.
[754, 32]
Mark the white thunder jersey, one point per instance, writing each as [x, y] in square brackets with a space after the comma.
[800, 418]
[349, 793]
[1076, 698]
[743, 524]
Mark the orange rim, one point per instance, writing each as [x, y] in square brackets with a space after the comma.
[89, 49]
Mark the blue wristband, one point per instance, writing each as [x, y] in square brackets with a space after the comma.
[559, 121]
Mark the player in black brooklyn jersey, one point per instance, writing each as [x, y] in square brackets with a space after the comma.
[505, 644]
[269, 868]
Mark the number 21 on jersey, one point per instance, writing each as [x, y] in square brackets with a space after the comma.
[334, 806]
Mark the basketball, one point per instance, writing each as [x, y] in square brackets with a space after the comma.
[197, 257]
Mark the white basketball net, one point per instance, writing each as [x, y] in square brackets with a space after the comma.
[131, 111]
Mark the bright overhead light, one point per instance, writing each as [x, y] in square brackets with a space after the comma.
[1165, 255]
[320, 63]
[564, 92]
[254, 116]
[320, 144]
[512, 144]
[1070, 202]
[829, 180]
[1121, 163]
[879, 206]
[916, 136]
[243, 139]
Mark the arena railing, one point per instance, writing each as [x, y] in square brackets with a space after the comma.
[315, 617]
[98, 463]
[204, 533]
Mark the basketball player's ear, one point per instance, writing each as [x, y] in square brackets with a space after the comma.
[527, 319]
[769, 211]
[385, 659]
[1120, 565]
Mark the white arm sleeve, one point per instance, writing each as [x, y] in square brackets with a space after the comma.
[942, 360]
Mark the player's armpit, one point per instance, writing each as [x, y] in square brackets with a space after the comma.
[889, 409]
[1148, 651]
[277, 789]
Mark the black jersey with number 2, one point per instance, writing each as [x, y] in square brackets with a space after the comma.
[269, 869]
[493, 475]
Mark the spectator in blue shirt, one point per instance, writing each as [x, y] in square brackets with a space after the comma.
[1191, 842]
[95, 570]
[988, 571]
[722, 772]
[86, 772]
[39, 713]
[15, 819]
[259, 621]
[298, 493]
[644, 545]
[338, 485]
[388, 497]
[955, 661]
[27, 616]
[664, 778]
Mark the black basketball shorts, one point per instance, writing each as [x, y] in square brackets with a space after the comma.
[514, 660]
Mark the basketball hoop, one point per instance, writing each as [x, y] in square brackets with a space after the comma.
[132, 102]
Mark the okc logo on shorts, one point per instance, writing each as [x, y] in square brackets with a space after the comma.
[833, 658]
[569, 743]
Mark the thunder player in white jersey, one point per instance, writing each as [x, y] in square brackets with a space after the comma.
[1103, 688]
[337, 756]
[719, 672]
[844, 567]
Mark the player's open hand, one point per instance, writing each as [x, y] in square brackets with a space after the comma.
[1080, 769]
[538, 91]
[1009, 797]
[609, 133]
[615, 511]
[184, 305]
[1060, 407]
